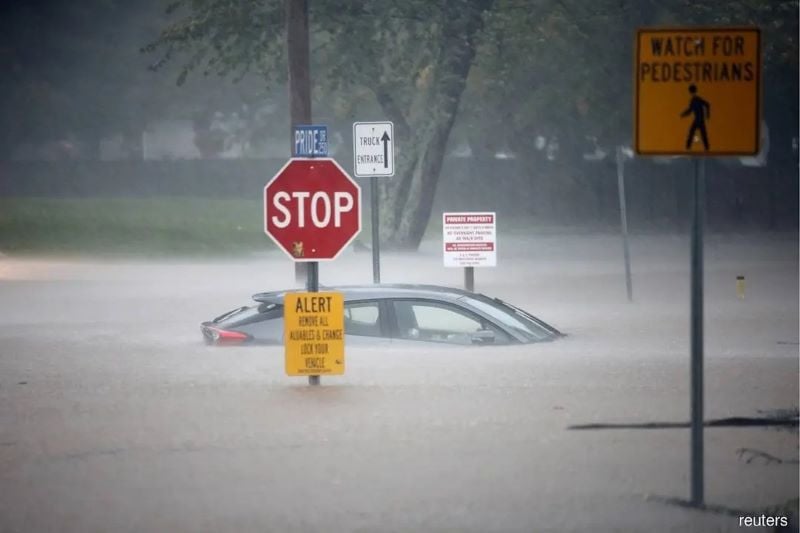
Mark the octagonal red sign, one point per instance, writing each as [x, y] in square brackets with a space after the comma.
[312, 209]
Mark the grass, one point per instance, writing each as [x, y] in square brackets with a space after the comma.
[168, 226]
[159, 226]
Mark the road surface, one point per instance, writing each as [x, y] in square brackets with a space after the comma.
[115, 417]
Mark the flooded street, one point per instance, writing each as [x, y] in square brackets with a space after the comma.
[115, 416]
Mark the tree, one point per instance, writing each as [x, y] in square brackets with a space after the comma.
[510, 70]
[73, 71]
[562, 69]
[411, 58]
[560, 65]
[68, 71]
[422, 55]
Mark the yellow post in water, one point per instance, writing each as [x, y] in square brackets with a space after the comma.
[740, 287]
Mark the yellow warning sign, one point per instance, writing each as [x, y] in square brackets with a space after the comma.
[697, 91]
[313, 333]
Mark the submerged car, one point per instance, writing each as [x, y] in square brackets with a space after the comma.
[393, 313]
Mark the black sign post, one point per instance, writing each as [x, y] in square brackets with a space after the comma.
[313, 286]
[698, 221]
[623, 216]
[469, 279]
[376, 239]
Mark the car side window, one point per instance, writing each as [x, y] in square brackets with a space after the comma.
[362, 318]
[438, 322]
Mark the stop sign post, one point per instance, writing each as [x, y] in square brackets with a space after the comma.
[312, 209]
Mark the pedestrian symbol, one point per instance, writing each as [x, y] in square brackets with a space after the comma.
[702, 112]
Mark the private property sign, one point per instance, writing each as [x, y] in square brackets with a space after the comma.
[469, 239]
[697, 91]
[313, 333]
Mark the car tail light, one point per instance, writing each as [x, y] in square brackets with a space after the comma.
[222, 336]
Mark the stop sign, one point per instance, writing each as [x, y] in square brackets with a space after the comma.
[312, 209]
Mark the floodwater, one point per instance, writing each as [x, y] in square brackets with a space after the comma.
[114, 416]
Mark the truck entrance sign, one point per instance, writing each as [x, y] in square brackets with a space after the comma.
[697, 91]
[312, 209]
[373, 149]
[313, 333]
[469, 239]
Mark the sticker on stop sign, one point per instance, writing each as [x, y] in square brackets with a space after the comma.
[312, 209]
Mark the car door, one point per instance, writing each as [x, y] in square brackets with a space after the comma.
[424, 320]
[365, 322]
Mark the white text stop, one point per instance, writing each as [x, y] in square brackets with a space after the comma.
[319, 206]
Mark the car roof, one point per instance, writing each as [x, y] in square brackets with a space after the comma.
[370, 292]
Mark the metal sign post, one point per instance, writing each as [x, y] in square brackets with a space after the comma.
[313, 286]
[698, 220]
[623, 214]
[373, 157]
[376, 239]
[469, 279]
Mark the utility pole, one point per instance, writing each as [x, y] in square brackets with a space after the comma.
[300, 111]
[299, 84]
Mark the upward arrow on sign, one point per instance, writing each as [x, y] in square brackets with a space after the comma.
[385, 140]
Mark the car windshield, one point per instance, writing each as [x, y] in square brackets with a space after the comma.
[513, 318]
[244, 313]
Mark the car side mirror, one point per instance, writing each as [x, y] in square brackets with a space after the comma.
[482, 336]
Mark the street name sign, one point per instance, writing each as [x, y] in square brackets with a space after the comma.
[313, 333]
[373, 149]
[310, 141]
[698, 91]
[469, 239]
[312, 209]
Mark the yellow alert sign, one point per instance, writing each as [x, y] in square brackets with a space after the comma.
[697, 91]
[313, 333]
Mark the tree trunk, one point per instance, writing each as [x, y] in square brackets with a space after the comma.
[407, 199]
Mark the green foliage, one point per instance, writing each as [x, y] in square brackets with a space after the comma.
[564, 67]
[64, 73]
[367, 49]
[409, 59]
[73, 71]
[224, 37]
[376, 49]
[561, 69]
[557, 67]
